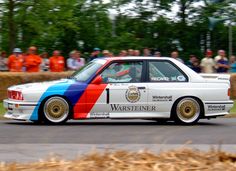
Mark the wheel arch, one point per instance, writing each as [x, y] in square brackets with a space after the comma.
[202, 109]
[40, 110]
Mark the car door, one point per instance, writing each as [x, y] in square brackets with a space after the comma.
[127, 93]
[165, 83]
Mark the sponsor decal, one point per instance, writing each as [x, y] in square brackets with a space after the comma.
[174, 78]
[138, 108]
[160, 79]
[132, 94]
[181, 78]
[161, 98]
[99, 115]
[216, 107]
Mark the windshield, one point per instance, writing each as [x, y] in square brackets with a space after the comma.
[88, 70]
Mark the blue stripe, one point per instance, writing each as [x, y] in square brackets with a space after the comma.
[56, 89]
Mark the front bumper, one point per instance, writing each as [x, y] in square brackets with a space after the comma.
[18, 110]
[217, 108]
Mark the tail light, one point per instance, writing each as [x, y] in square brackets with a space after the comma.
[16, 95]
[229, 92]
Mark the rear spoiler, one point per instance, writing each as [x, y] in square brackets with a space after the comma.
[225, 77]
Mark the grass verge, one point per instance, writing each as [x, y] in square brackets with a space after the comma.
[2, 110]
[181, 159]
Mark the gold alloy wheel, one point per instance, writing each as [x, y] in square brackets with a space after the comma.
[56, 109]
[188, 110]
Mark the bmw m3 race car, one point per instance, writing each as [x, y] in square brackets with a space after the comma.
[124, 88]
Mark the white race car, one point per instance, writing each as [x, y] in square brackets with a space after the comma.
[124, 88]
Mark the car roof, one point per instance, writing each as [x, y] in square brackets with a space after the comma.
[137, 58]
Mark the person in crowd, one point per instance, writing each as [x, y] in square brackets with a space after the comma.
[136, 52]
[123, 53]
[130, 52]
[193, 63]
[231, 59]
[222, 65]
[16, 61]
[95, 54]
[221, 54]
[111, 54]
[3, 61]
[32, 60]
[192, 59]
[45, 62]
[196, 66]
[146, 52]
[75, 62]
[207, 63]
[105, 53]
[233, 63]
[175, 55]
[157, 54]
[57, 62]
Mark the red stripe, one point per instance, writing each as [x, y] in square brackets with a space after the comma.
[89, 98]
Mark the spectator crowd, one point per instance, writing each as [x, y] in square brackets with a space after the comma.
[32, 62]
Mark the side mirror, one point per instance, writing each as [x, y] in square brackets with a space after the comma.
[97, 80]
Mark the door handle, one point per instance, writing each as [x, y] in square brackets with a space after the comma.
[141, 88]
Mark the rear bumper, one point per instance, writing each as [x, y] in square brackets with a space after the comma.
[18, 110]
[217, 108]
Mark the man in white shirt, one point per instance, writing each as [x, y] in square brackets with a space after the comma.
[75, 62]
[207, 63]
[221, 53]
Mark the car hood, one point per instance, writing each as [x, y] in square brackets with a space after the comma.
[41, 85]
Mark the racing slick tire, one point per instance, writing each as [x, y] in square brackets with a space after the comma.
[187, 111]
[56, 110]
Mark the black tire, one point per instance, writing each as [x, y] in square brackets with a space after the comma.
[187, 111]
[56, 110]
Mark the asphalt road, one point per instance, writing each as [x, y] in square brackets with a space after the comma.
[26, 142]
[215, 131]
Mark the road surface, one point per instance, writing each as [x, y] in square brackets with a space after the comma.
[24, 141]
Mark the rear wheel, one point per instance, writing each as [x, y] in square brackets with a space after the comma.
[187, 111]
[56, 110]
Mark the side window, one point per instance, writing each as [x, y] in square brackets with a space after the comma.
[164, 71]
[123, 72]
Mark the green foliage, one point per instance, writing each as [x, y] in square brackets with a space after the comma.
[85, 24]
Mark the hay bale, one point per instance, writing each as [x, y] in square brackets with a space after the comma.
[233, 86]
[8, 79]
[181, 159]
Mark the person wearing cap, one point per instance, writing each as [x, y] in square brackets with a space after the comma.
[95, 54]
[57, 62]
[157, 54]
[106, 53]
[32, 60]
[208, 64]
[15, 61]
[3, 61]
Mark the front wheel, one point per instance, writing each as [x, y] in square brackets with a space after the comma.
[187, 111]
[56, 110]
